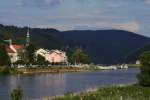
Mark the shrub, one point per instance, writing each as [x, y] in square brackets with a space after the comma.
[144, 76]
[4, 58]
[8, 70]
[5, 70]
[17, 94]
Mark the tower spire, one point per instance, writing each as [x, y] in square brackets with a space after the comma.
[28, 37]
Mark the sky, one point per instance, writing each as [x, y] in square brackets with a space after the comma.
[129, 15]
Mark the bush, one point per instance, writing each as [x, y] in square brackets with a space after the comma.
[17, 94]
[5, 70]
[144, 76]
[4, 58]
[8, 70]
[80, 57]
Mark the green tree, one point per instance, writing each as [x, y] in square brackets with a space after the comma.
[20, 62]
[30, 54]
[17, 94]
[144, 76]
[4, 58]
[41, 60]
[79, 57]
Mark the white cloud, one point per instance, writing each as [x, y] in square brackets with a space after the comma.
[41, 3]
[53, 1]
[132, 26]
[147, 1]
[129, 26]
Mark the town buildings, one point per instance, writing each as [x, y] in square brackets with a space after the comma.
[18, 52]
[53, 56]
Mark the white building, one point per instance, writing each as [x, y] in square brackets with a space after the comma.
[138, 62]
[15, 52]
[56, 56]
[42, 52]
[52, 56]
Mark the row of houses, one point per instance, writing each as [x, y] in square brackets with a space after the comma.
[53, 56]
[17, 52]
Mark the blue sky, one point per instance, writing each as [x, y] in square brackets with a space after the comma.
[130, 15]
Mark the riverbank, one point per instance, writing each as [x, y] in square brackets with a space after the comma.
[52, 69]
[49, 70]
[59, 69]
[8, 70]
[121, 92]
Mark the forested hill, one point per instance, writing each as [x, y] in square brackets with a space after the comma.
[136, 54]
[103, 46]
[40, 37]
[106, 46]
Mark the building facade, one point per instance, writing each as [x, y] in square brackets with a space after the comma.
[15, 52]
[56, 56]
[52, 56]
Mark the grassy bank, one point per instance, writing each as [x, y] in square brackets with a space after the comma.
[8, 70]
[110, 93]
[134, 65]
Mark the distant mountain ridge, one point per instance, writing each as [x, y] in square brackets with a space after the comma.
[103, 46]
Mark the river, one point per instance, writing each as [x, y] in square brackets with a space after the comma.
[49, 84]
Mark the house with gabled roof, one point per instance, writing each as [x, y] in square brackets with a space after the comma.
[15, 52]
[57, 56]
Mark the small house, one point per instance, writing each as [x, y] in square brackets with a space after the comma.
[15, 52]
[56, 56]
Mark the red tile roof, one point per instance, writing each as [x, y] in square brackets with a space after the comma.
[9, 50]
[16, 46]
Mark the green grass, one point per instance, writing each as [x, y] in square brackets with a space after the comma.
[112, 93]
[134, 65]
[8, 70]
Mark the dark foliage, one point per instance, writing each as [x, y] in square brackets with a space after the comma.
[30, 54]
[79, 57]
[41, 60]
[4, 58]
[5, 70]
[131, 57]
[17, 94]
[144, 76]
[8, 70]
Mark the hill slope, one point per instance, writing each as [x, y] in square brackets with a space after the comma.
[136, 54]
[105, 46]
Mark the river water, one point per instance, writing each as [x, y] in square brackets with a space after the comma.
[49, 84]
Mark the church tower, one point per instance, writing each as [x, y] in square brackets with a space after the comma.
[28, 37]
